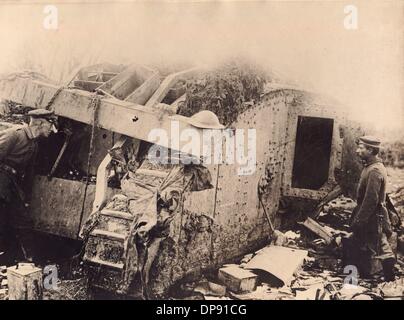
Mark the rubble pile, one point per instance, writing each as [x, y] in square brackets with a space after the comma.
[68, 290]
[301, 264]
[337, 212]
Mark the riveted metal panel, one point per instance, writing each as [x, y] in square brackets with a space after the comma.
[242, 223]
[56, 205]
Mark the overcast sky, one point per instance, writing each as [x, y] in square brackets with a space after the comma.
[306, 41]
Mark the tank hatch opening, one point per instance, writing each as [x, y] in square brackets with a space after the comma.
[312, 152]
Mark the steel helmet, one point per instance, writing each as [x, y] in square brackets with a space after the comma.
[206, 120]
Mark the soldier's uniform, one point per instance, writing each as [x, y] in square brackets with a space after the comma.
[18, 148]
[370, 217]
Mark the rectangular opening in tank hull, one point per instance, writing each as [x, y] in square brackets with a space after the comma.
[311, 162]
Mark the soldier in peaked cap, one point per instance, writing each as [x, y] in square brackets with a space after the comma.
[18, 148]
[370, 223]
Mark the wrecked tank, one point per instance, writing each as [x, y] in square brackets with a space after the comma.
[147, 226]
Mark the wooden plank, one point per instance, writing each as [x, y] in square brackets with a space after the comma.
[176, 104]
[101, 187]
[319, 230]
[107, 234]
[169, 82]
[87, 85]
[117, 214]
[122, 85]
[106, 76]
[97, 261]
[142, 94]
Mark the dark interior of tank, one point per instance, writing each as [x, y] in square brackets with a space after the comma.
[312, 152]
[50, 148]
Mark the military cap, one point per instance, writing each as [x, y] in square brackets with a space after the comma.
[41, 113]
[370, 141]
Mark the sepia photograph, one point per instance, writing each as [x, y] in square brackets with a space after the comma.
[217, 151]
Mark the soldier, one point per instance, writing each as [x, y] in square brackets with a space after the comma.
[18, 148]
[369, 221]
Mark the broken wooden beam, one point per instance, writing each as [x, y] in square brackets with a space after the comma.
[122, 117]
[87, 85]
[318, 229]
[122, 85]
[169, 82]
[143, 93]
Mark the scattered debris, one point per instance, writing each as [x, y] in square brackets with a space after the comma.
[341, 205]
[292, 235]
[394, 289]
[362, 297]
[283, 271]
[3, 294]
[265, 292]
[279, 239]
[337, 212]
[327, 262]
[247, 258]
[278, 273]
[287, 239]
[216, 298]
[349, 291]
[314, 292]
[69, 290]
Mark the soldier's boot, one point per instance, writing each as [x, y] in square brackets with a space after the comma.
[388, 269]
